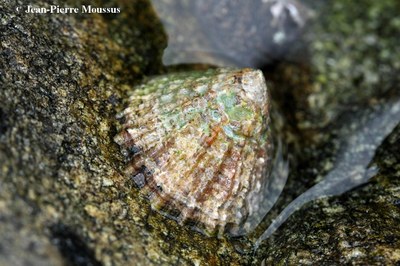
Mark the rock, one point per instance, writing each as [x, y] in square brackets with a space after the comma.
[62, 80]
[349, 75]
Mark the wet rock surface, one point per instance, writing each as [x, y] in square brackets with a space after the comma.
[348, 78]
[64, 198]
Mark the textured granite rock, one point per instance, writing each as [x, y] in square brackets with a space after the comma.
[64, 198]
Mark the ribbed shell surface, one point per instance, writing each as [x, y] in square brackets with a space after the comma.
[199, 145]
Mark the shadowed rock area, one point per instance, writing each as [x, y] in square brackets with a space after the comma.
[353, 68]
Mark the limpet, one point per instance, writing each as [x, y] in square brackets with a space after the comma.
[199, 145]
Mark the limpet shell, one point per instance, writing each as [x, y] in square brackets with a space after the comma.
[199, 145]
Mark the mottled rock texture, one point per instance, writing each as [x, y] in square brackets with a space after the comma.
[354, 61]
[64, 198]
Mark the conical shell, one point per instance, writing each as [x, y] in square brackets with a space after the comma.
[199, 145]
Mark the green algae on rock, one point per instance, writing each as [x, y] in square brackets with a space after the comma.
[199, 146]
[355, 58]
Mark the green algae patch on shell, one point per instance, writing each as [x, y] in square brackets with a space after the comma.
[199, 146]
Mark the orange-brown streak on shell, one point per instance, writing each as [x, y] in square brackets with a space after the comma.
[239, 201]
[212, 165]
[228, 173]
[158, 151]
[234, 186]
[206, 142]
[218, 189]
[195, 171]
[184, 187]
[204, 212]
[213, 162]
[200, 181]
[206, 192]
[186, 211]
[157, 147]
[137, 163]
[163, 157]
[214, 134]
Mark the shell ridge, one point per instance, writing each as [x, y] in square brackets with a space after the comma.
[211, 161]
[204, 195]
[192, 171]
[238, 171]
[208, 184]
